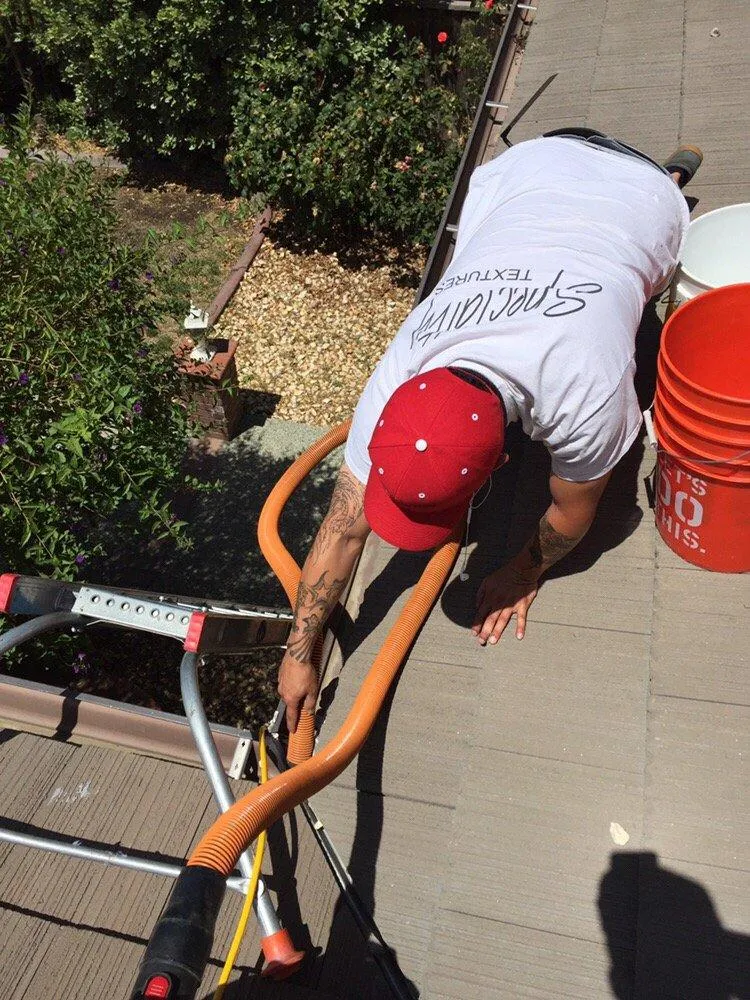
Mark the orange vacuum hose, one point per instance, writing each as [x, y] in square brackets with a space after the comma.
[181, 941]
[281, 561]
[221, 847]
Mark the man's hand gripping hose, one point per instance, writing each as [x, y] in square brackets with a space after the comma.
[281, 561]
[180, 944]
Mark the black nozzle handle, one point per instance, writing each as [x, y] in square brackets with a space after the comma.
[180, 945]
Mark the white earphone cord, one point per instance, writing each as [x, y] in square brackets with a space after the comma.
[463, 576]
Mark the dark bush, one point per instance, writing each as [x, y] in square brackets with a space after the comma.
[364, 136]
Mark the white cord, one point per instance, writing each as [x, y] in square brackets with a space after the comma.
[463, 576]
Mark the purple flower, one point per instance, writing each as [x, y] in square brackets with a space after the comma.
[80, 559]
[62, 251]
[23, 250]
[3, 439]
[114, 284]
[149, 276]
[81, 662]
[77, 377]
[142, 352]
[138, 409]
[3, 182]
[23, 379]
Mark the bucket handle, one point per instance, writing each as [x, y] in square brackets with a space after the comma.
[653, 441]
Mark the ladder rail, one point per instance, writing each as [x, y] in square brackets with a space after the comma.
[200, 627]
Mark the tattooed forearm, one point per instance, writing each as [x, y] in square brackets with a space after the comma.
[548, 545]
[328, 565]
[347, 504]
[314, 605]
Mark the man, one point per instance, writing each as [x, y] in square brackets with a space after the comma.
[562, 241]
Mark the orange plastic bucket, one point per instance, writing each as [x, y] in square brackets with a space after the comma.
[669, 391]
[702, 423]
[714, 464]
[704, 352]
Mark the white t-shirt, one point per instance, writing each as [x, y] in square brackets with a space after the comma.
[559, 247]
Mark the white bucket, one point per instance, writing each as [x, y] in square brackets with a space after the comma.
[716, 251]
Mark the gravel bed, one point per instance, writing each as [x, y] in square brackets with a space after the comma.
[312, 328]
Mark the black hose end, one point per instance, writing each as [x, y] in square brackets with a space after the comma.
[180, 944]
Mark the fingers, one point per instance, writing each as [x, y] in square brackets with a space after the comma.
[498, 600]
[487, 615]
[295, 709]
[292, 716]
[481, 621]
[494, 626]
[480, 615]
[298, 689]
[490, 625]
[290, 700]
[521, 622]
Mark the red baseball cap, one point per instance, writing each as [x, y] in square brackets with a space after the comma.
[436, 441]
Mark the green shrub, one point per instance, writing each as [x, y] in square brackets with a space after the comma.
[323, 105]
[147, 76]
[89, 417]
[356, 133]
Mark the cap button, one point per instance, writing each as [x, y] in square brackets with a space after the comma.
[420, 445]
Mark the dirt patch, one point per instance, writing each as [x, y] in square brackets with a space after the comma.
[160, 208]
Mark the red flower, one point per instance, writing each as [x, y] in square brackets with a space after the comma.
[489, 4]
[442, 37]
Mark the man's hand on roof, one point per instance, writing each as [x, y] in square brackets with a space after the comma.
[511, 589]
[502, 594]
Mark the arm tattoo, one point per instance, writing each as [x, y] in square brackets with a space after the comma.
[316, 601]
[314, 604]
[548, 545]
[347, 505]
